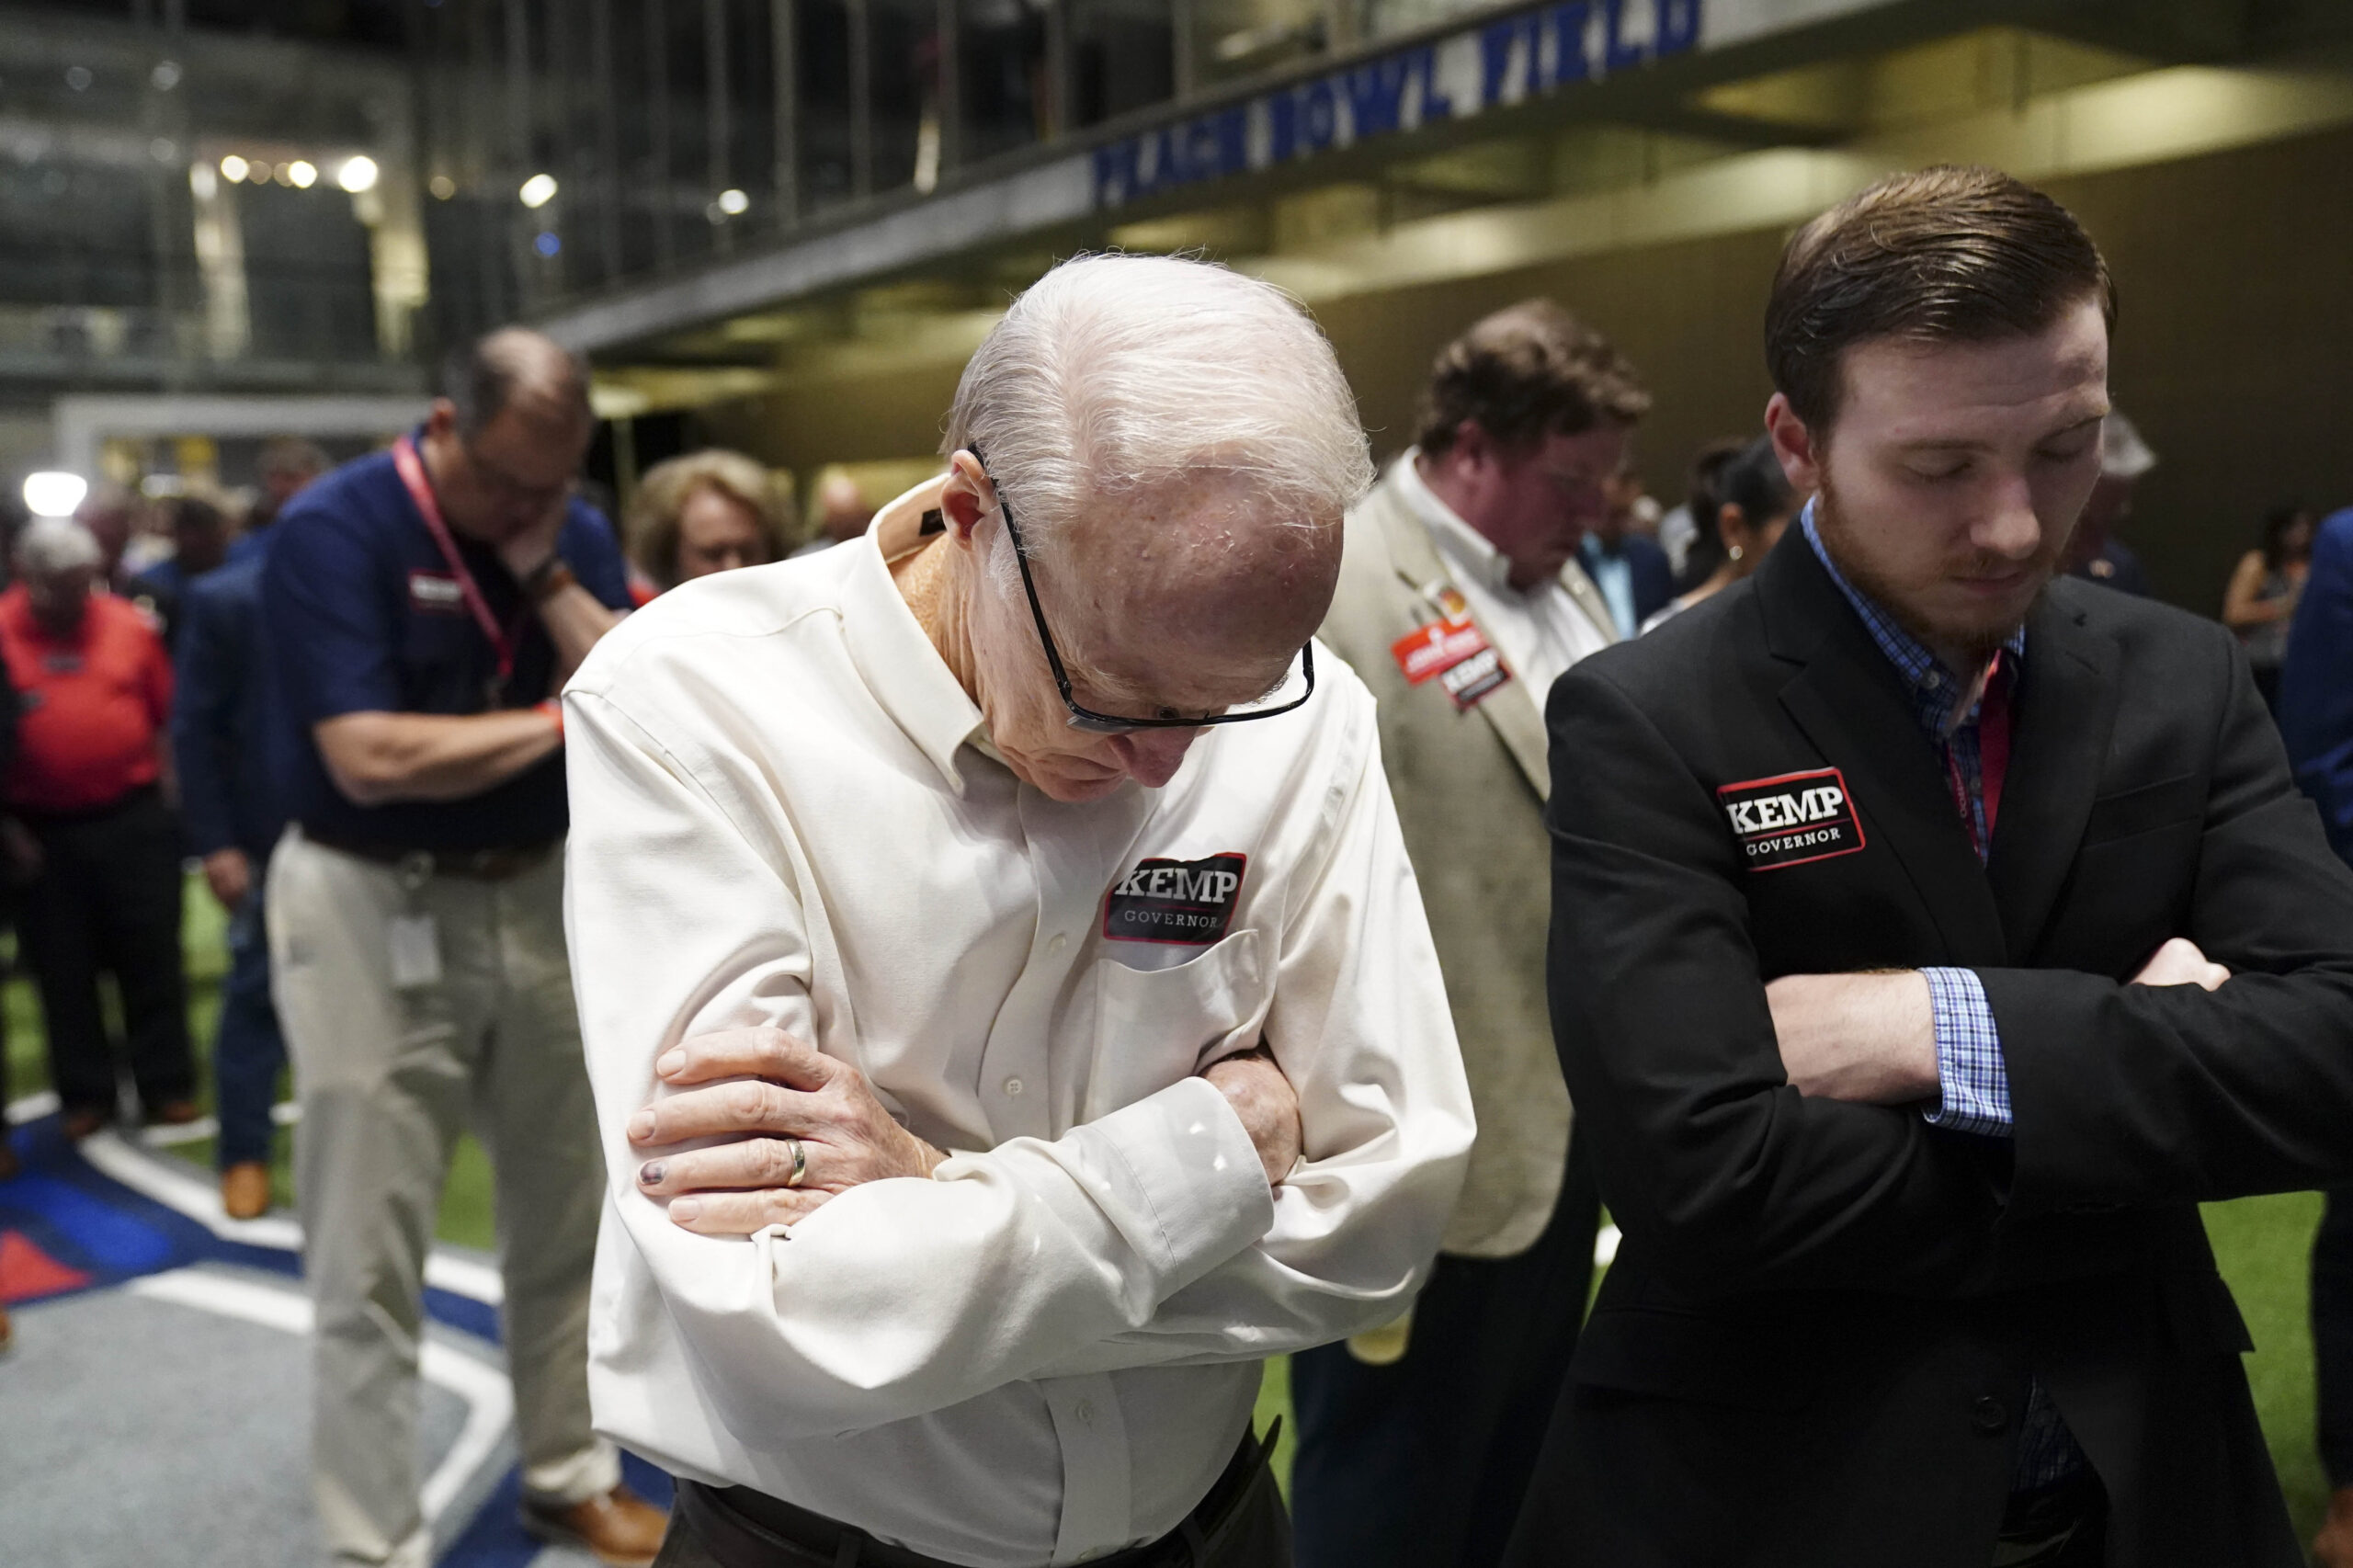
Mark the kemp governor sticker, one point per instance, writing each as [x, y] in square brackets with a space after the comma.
[1184, 902]
[1792, 819]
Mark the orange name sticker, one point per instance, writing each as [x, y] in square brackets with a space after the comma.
[1454, 652]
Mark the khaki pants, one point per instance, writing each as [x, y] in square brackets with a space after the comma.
[387, 1077]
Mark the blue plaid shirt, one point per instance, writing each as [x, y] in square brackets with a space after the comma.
[1972, 1079]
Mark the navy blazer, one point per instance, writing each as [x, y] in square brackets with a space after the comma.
[221, 716]
[2316, 682]
[1649, 573]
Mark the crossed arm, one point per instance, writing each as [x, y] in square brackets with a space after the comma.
[768, 1092]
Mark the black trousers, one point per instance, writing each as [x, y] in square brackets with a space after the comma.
[1425, 1462]
[2333, 1334]
[1241, 1524]
[107, 901]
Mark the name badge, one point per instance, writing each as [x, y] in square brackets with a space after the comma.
[1180, 902]
[1792, 819]
[436, 593]
[1455, 654]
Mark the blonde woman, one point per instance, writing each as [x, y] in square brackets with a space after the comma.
[710, 511]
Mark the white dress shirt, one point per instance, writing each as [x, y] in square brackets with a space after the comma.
[781, 813]
[1539, 632]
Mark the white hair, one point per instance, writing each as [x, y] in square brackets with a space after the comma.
[50, 546]
[1113, 374]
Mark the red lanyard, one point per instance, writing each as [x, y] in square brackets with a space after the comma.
[420, 490]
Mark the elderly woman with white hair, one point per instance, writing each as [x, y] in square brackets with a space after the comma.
[1010, 1009]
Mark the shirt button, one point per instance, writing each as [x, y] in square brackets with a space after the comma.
[1086, 1411]
[1988, 1414]
[1012, 1087]
[1058, 944]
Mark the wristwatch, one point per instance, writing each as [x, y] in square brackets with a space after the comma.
[549, 578]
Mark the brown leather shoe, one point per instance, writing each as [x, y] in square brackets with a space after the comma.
[245, 1190]
[2333, 1548]
[619, 1530]
[84, 1121]
[173, 1113]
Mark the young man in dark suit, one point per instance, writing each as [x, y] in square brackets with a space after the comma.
[1929, 938]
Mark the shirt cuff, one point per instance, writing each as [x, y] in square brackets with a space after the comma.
[1972, 1076]
[1200, 1176]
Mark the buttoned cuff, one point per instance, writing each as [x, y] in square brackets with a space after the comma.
[1200, 1174]
[1972, 1078]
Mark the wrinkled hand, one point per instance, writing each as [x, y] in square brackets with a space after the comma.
[230, 875]
[1865, 1039]
[760, 1087]
[2180, 962]
[1266, 1103]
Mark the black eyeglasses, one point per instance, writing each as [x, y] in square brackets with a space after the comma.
[1109, 724]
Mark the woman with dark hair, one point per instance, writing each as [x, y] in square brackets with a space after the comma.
[1740, 504]
[2261, 599]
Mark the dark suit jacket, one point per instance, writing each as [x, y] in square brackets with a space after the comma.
[221, 716]
[1825, 1319]
[2316, 683]
[1649, 573]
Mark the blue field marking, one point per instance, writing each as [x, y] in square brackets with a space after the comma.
[86, 1220]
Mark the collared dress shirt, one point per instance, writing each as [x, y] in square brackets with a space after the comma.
[784, 812]
[1540, 631]
[1972, 1076]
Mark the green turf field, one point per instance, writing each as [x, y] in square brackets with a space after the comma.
[2262, 1243]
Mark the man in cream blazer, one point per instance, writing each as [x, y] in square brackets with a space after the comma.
[1459, 602]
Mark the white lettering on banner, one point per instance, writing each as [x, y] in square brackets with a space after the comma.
[1550, 49]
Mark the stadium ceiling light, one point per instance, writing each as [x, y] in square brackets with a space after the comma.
[53, 493]
[357, 173]
[443, 186]
[538, 191]
[232, 169]
[302, 173]
[735, 203]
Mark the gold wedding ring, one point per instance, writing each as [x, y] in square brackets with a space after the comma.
[800, 1163]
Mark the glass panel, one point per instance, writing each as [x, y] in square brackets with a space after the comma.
[1007, 94]
[824, 125]
[906, 93]
[1123, 58]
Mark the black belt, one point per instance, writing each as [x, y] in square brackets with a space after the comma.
[495, 865]
[743, 1528]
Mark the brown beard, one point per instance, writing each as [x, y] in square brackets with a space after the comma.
[1978, 643]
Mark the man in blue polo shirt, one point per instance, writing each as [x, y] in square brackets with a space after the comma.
[425, 606]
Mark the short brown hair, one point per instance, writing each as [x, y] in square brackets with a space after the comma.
[663, 494]
[1528, 371]
[1947, 255]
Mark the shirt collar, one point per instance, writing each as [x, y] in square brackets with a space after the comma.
[1935, 689]
[1465, 548]
[895, 658]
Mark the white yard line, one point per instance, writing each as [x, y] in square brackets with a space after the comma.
[175, 1186]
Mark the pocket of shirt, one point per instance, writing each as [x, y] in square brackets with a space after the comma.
[1158, 1026]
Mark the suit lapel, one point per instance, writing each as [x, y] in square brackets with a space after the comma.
[1518, 725]
[1850, 702]
[2064, 709]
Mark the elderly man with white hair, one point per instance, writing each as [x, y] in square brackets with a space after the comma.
[1010, 1008]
